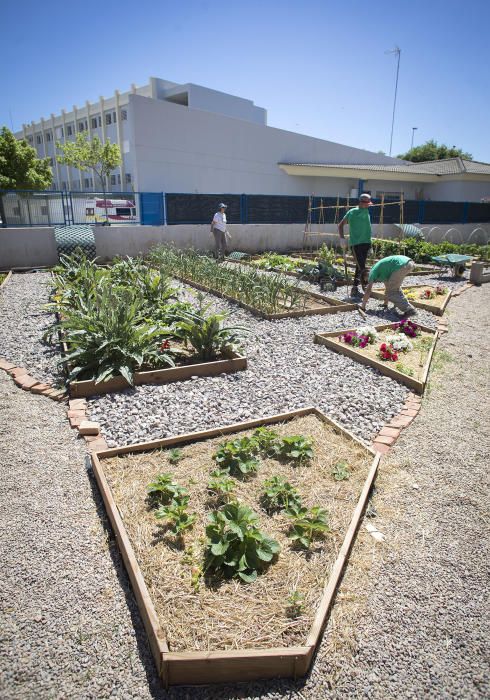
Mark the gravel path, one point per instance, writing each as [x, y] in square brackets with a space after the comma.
[409, 620]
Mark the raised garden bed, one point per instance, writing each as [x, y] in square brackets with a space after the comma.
[410, 368]
[314, 303]
[5, 278]
[300, 275]
[436, 305]
[233, 363]
[204, 627]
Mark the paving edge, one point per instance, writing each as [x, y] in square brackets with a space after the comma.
[389, 433]
[76, 408]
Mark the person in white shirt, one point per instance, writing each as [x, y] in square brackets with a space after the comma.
[218, 229]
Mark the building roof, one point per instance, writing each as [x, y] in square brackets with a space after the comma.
[449, 166]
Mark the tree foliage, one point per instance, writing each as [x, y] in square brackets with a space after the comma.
[20, 168]
[90, 155]
[431, 150]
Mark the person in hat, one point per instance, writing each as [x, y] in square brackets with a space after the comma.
[219, 231]
[391, 270]
[359, 239]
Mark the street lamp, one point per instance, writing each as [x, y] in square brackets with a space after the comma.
[414, 129]
[396, 51]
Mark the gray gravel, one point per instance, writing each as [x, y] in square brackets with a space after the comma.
[286, 370]
[23, 324]
[411, 617]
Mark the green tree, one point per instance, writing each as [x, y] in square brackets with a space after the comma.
[431, 150]
[20, 168]
[92, 155]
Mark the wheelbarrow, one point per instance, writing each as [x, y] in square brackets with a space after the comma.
[457, 263]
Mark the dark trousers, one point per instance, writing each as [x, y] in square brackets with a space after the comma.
[360, 253]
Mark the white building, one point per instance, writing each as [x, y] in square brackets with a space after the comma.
[190, 139]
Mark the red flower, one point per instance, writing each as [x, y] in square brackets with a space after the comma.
[165, 345]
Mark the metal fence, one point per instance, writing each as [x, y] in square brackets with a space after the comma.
[62, 208]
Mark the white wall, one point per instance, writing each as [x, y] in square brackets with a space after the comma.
[27, 247]
[184, 150]
[457, 191]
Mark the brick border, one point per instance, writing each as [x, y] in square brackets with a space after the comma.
[76, 411]
[462, 289]
[389, 434]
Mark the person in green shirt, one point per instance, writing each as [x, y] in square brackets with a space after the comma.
[392, 271]
[359, 238]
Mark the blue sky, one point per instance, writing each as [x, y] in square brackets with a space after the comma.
[319, 68]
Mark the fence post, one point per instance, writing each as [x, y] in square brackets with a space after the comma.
[421, 211]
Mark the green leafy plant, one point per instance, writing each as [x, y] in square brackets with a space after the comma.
[278, 494]
[206, 333]
[297, 448]
[237, 457]
[235, 545]
[308, 525]
[341, 471]
[295, 606]
[220, 484]
[175, 455]
[404, 369]
[267, 441]
[178, 520]
[164, 489]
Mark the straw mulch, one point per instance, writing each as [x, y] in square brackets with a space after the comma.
[228, 614]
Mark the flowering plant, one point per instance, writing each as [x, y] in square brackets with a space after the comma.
[427, 294]
[399, 343]
[386, 352]
[441, 290]
[360, 338]
[407, 327]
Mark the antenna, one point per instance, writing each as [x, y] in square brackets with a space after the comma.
[396, 51]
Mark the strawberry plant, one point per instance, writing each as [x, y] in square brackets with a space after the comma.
[178, 520]
[341, 471]
[237, 457]
[175, 455]
[295, 604]
[308, 525]
[220, 484]
[267, 441]
[278, 494]
[165, 489]
[296, 448]
[235, 545]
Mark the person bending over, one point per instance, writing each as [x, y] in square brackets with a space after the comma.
[392, 271]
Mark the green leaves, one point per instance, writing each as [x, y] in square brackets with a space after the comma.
[308, 525]
[341, 471]
[235, 545]
[20, 168]
[238, 457]
[278, 494]
[172, 500]
[164, 489]
[220, 484]
[85, 154]
[297, 448]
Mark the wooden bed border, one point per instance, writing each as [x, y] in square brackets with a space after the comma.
[427, 306]
[330, 339]
[234, 363]
[7, 279]
[238, 665]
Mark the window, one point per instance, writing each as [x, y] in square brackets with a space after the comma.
[123, 211]
[93, 121]
[99, 119]
[44, 209]
[30, 139]
[389, 196]
[90, 211]
[124, 115]
[108, 118]
[51, 162]
[80, 126]
[39, 138]
[113, 179]
[60, 132]
[128, 178]
[48, 136]
[69, 130]
[119, 179]
[63, 185]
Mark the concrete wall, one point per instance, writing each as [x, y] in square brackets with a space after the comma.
[27, 247]
[35, 247]
[457, 191]
[185, 150]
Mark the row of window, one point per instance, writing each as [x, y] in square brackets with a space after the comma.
[82, 125]
[88, 182]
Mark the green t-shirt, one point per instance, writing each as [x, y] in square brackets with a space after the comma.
[385, 267]
[359, 225]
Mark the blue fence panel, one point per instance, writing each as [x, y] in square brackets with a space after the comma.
[151, 208]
